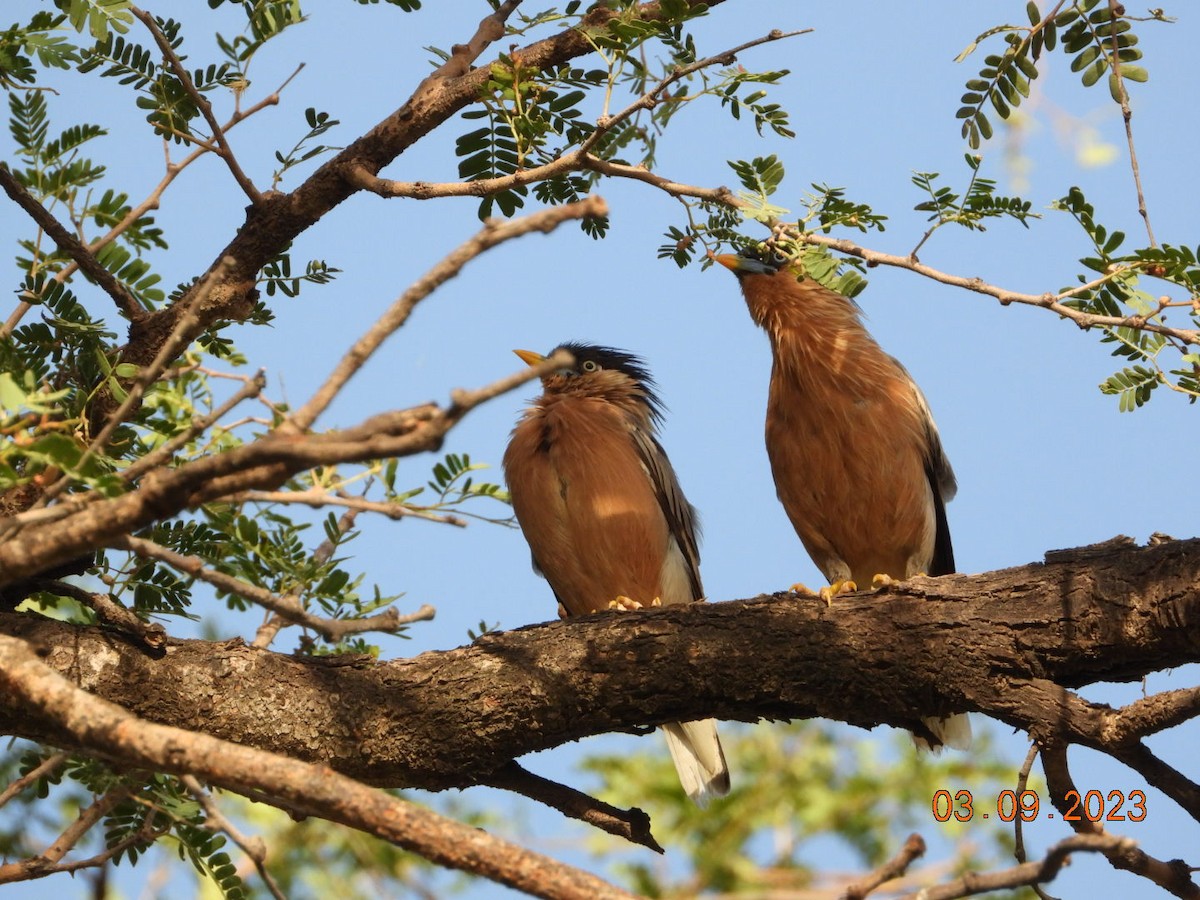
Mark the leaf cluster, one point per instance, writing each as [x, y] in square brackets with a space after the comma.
[977, 203]
[1096, 35]
[38, 39]
[1120, 295]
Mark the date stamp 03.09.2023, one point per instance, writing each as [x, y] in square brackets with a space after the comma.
[1091, 806]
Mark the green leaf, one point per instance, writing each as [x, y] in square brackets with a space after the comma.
[1092, 75]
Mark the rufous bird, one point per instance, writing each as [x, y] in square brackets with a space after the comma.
[857, 459]
[605, 518]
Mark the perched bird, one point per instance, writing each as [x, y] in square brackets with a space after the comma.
[604, 515]
[857, 460]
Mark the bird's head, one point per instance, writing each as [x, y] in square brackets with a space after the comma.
[783, 300]
[602, 373]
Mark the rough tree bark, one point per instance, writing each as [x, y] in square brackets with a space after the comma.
[1010, 644]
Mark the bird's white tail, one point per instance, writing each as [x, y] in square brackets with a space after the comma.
[951, 731]
[698, 757]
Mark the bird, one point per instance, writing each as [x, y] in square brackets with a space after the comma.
[857, 459]
[606, 521]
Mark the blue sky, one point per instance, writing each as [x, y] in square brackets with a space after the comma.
[1043, 460]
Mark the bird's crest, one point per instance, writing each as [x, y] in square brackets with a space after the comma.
[612, 359]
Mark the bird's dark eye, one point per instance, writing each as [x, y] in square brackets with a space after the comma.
[589, 365]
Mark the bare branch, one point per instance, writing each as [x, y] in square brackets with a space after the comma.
[1030, 873]
[1052, 302]
[1174, 877]
[287, 606]
[632, 824]
[491, 28]
[50, 764]
[47, 862]
[913, 849]
[181, 72]
[97, 726]
[493, 233]
[1151, 715]
[151, 635]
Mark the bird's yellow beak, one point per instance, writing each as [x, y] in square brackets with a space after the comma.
[744, 265]
[529, 357]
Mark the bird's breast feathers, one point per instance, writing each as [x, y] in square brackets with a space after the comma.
[586, 504]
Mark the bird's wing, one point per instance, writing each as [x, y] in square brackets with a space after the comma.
[942, 485]
[941, 474]
[682, 520]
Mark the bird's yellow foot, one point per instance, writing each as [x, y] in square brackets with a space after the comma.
[802, 589]
[880, 581]
[836, 589]
[625, 604]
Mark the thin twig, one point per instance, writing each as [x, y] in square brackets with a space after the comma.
[316, 498]
[1018, 819]
[1050, 301]
[631, 824]
[913, 849]
[181, 72]
[1175, 879]
[1117, 12]
[1026, 874]
[200, 424]
[50, 764]
[42, 864]
[255, 848]
[331, 629]
[494, 232]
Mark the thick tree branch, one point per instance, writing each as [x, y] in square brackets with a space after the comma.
[452, 718]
